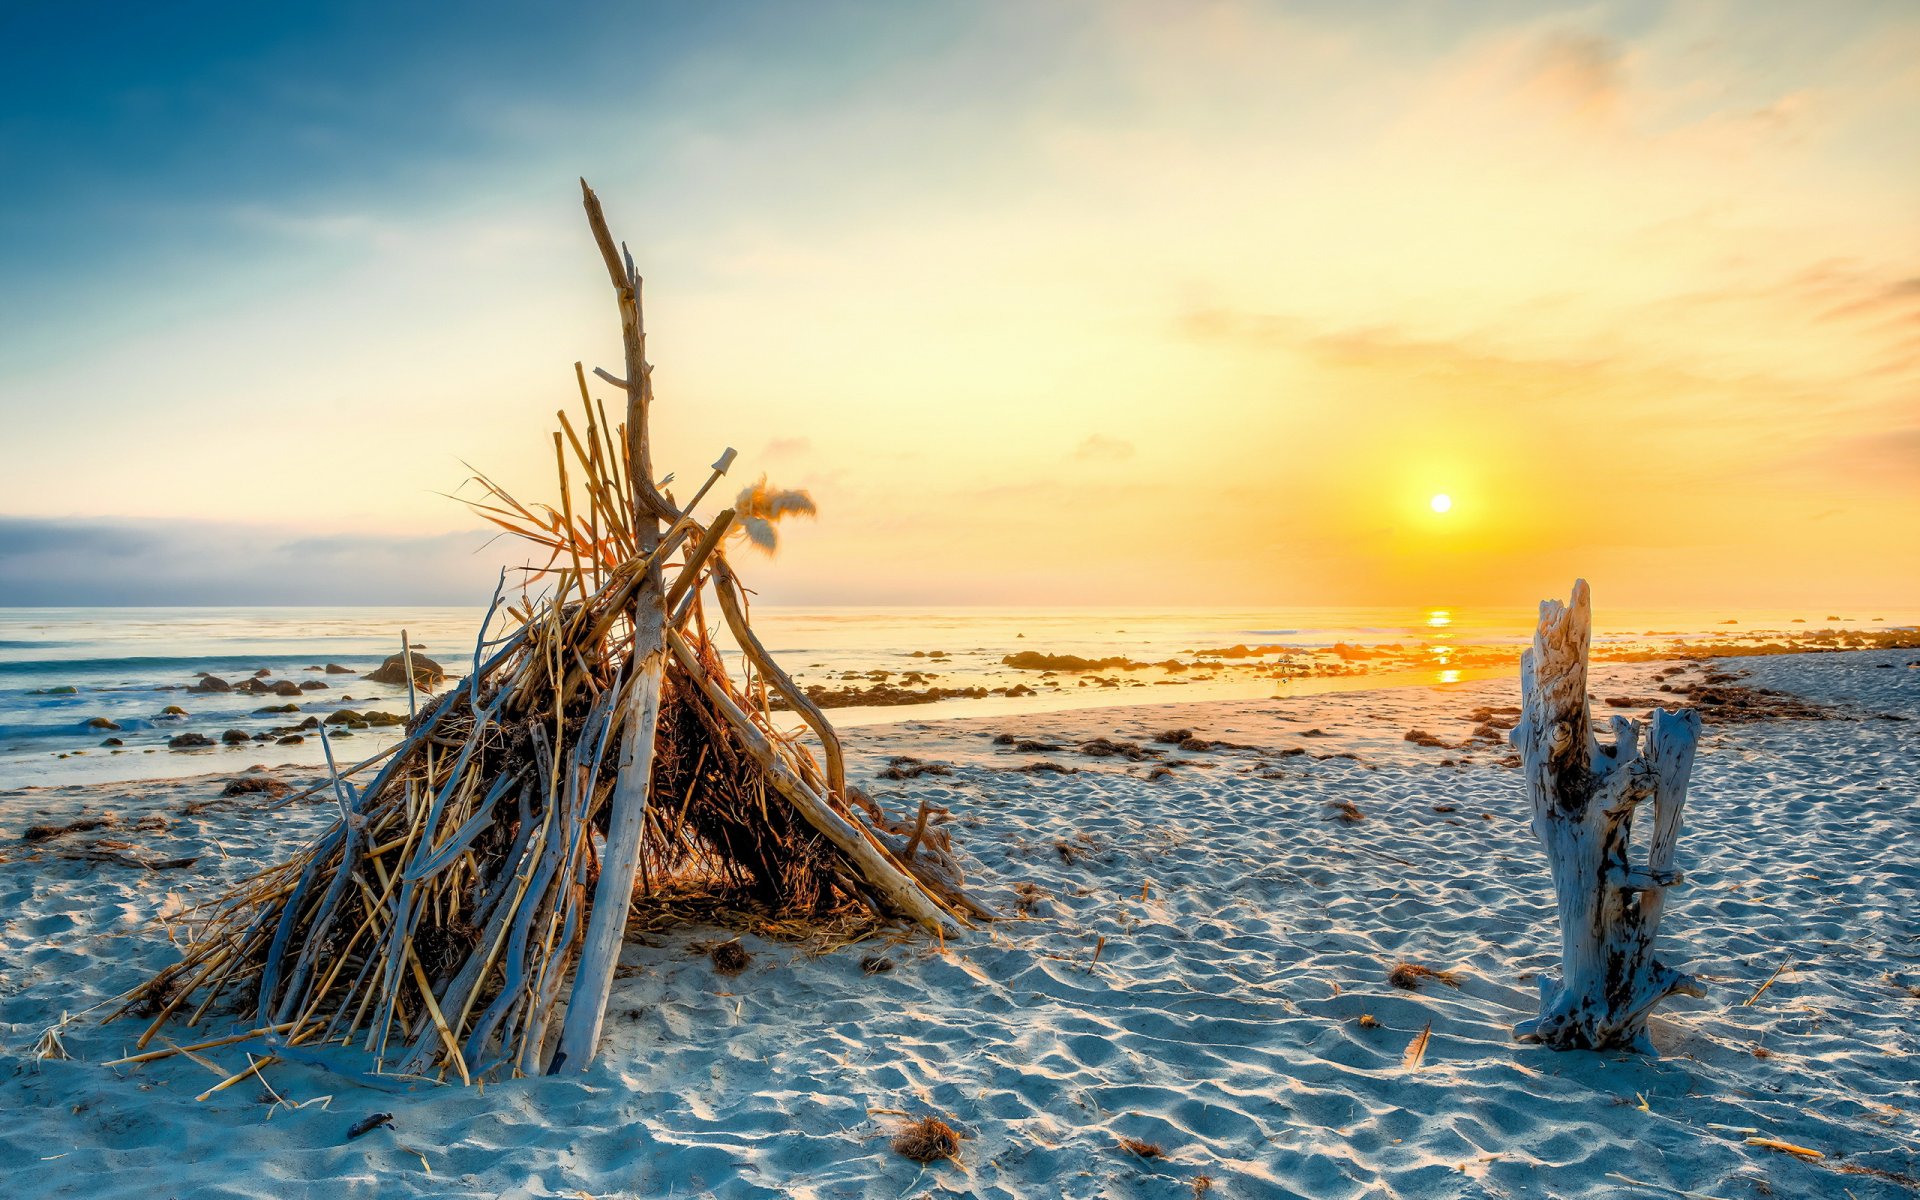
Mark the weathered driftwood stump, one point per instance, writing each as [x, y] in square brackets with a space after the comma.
[1584, 795]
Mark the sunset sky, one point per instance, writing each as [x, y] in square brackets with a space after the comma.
[1045, 303]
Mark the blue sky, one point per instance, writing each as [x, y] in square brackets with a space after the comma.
[970, 272]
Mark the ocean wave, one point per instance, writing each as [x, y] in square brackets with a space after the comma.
[150, 665]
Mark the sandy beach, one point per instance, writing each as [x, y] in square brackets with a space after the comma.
[1196, 956]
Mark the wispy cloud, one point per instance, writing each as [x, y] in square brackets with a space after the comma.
[1101, 448]
[106, 561]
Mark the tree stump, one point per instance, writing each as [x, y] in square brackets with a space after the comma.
[1584, 795]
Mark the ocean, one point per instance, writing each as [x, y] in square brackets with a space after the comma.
[67, 674]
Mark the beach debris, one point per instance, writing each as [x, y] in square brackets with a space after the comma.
[1103, 747]
[1027, 895]
[255, 785]
[1043, 767]
[729, 957]
[886, 695]
[42, 833]
[1367, 1021]
[1202, 1184]
[926, 1140]
[1417, 1049]
[369, 1123]
[907, 767]
[124, 854]
[1025, 745]
[1421, 737]
[1098, 946]
[1584, 795]
[1346, 812]
[1803, 1153]
[1409, 975]
[463, 916]
[1757, 992]
[876, 964]
[1143, 1149]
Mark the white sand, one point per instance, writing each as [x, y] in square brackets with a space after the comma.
[1220, 1022]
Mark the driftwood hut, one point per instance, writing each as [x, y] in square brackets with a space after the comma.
[464, 914]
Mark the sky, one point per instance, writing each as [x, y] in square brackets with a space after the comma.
[1065, 303]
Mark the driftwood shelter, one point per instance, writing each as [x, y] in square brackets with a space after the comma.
[464, 915]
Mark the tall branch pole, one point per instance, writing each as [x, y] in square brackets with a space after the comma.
[600, 948]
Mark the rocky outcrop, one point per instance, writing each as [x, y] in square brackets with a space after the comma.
[427, 674]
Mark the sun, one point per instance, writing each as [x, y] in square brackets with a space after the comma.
[1441, 503]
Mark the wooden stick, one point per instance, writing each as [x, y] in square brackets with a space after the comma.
[406, 655]
[254, 1065]
[433, 1011]
[1748, 1002]
[155, 1055]
[727, 588]
[626, 812]
[903, 892]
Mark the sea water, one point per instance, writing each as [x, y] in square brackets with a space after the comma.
[62, 668]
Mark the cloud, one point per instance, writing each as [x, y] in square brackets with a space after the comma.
[1101, 448]
[787, 447]
[115, 561]
[1579, 72]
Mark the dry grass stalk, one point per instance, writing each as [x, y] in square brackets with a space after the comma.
[1799, 1152]
[599, 752]
[1143, 1149]
[1761, 990]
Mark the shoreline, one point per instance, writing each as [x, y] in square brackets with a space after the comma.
[1237, 674]
[1186, 960]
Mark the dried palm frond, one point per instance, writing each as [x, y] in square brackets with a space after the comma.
[761, 506]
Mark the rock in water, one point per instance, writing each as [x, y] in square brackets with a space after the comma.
[426, 672]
